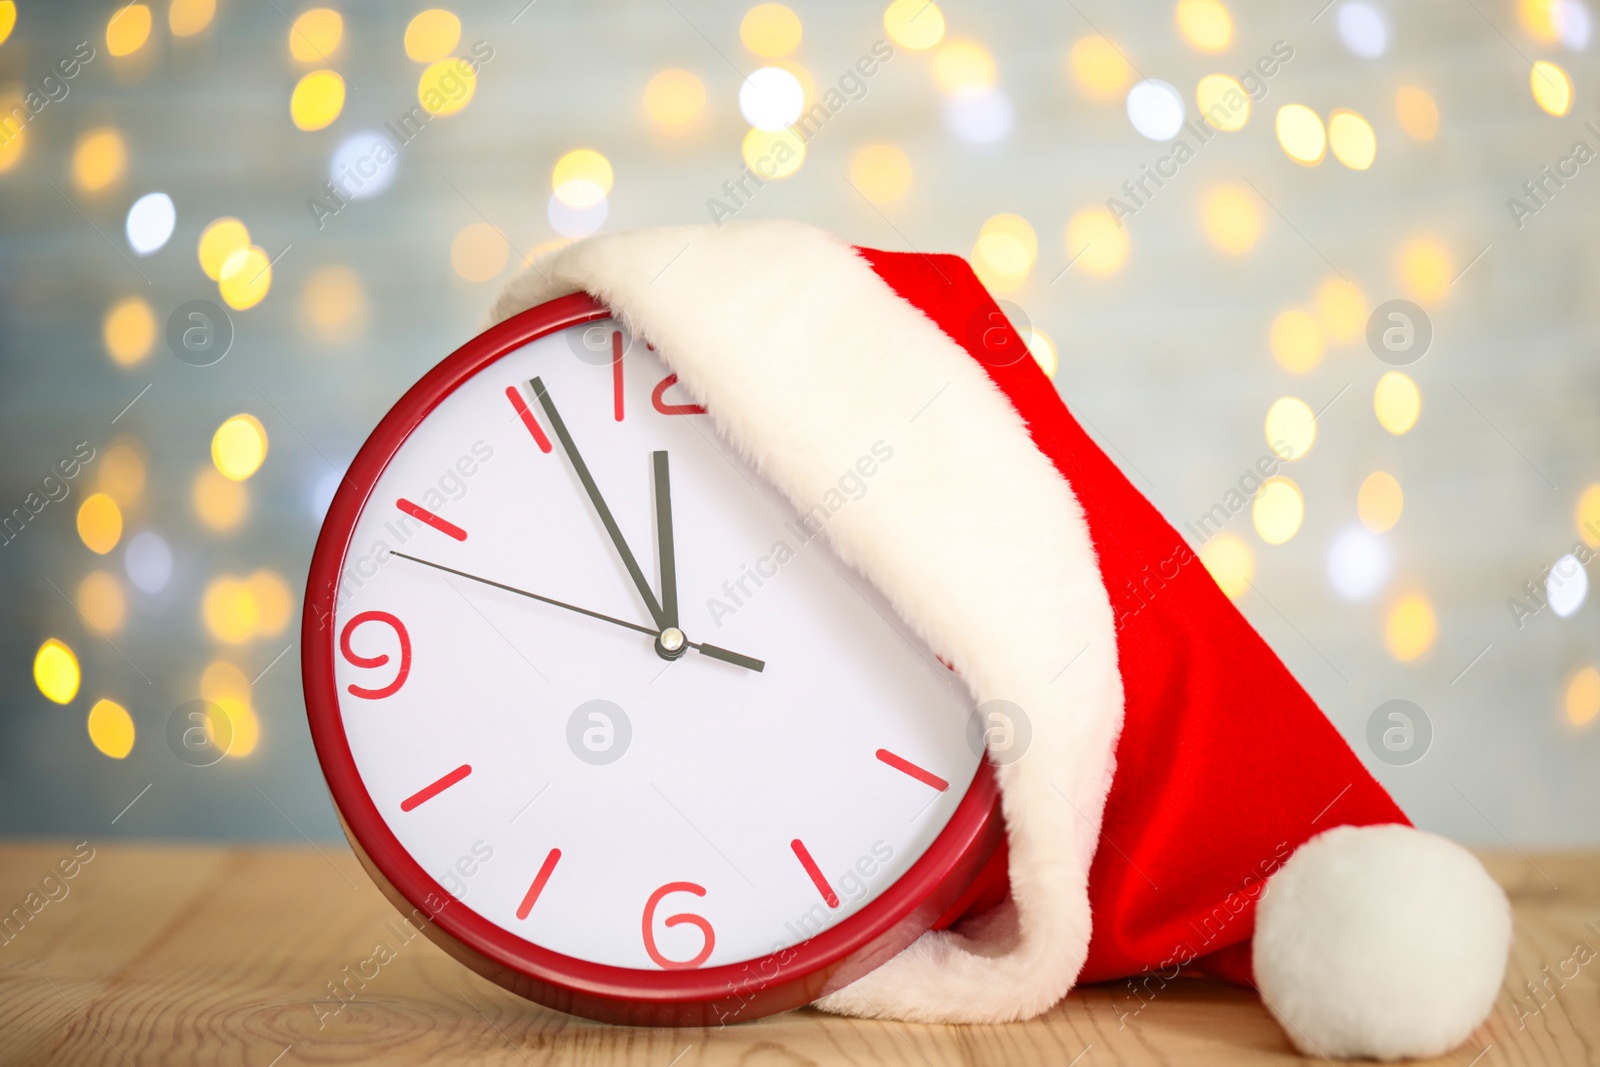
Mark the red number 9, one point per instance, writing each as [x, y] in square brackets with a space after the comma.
[676, 920]
[379, 660]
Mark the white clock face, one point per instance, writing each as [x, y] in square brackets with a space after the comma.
[555, 772]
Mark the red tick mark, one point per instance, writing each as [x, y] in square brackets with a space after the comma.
[527, 418]
[905, 766]
[538, 883]
[815, 872]
[444, 526]
[433, 789]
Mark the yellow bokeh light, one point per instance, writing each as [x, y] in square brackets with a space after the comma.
[1231, 563]
[1425, 270]
[1296, 341]
[1552, 88]
[220, 239]
[1042, 349]
[335, 303]
[14, 146]
[246, 278]
[1352, 140]
[1099, 69]
[1223, 102]
[773, 153]
[1397, 402]
[1380, 501]
[1418, 114]
[1588, 516]
[129, 330]
[128, 30]
[1232, 219]
[914, 24]
[316, 34]
[674, 99]
[544, 248]
[222, 681]
[99, 523]
[770, 30]
[8, 18]
[99, 159]
[228, 609]
[239, 446]
[432, 35]
[1342, 310]
[1277, 510]
[1005, 252]
[219, 502]
[1410, 627]
[881, 172]
[1205, 24]
[55, 671]
[273, 600]
[582, 178]
[479, 252]
[447, 86]
[188, 17]
[1301, 134]
[245, 728]
[1291, 427]
[962, 67]
[1583, 697]
[317, 99]
[1541, 18]
[122, 472]
[1097, 243]
[101, 600]
[111, 728]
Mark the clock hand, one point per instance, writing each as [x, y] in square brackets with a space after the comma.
[600, 505]
[664, 550]
[713, 651]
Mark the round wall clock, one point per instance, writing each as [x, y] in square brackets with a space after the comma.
[601, 712]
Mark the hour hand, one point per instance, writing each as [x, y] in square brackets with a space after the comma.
[664, 551]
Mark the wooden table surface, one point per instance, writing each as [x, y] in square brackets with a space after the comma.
[164, 954]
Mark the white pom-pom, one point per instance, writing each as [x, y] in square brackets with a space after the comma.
[1381, 942]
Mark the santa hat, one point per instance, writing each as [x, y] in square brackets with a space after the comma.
[1183, 805]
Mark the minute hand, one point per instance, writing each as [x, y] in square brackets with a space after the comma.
[599, 503]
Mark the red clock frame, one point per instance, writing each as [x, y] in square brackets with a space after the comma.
[965, 860]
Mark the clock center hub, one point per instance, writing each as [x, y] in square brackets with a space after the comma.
[671, 643]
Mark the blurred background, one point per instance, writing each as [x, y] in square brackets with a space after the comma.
[233, 233]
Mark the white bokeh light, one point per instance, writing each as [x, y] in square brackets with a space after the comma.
[363, 165]
[771, 98]
[148, 562]
[1358, 563]
[150, 223]
[322, 493]
[1155, 109]
[979, 118]
[1576, 26]
[1363, 29]
[1566, 586]
[576, 222]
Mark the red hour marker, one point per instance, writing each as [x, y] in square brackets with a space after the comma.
[527, 418]
[433, 789]
[905, 766]
[538, 883]
[444, 526]
[672, 409]
[815, 872]
[616, 373]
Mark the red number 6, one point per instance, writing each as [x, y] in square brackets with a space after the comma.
[676, 920]
[379, 660]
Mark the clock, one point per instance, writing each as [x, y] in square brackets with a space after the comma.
[603, 714]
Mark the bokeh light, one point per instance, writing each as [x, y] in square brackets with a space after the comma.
[479, 252]
[364, 165]
[101, 601]
[334, 302]
[1096, 242]
[1417, 112]
[219, 502]
[1205, 24]
[1352, 140]
[246, 278]
[1583, 697]
[1552, 88]
[1156, 110]
[881, 172]
[771, 98]
[674, 99]
[1301, 134]
[55, 671]
[1222, 102]
[148, 560]
[122, 472]
[1380, 501]
[770, 30]
[1410, 627]
[1341, 310]
[1588, 515]
[1358, 563]
[228, 609]
[129, 330]
[1296, 341]
[432, 35]
[1363, 28]
[582, 178]
[1231, 563]
[1575, 24]
[1232, 219]
[1397, 402]
[150, 223]
[770, 153]
[964, 67]
[1566, 586]
[128, 29]
[225, 685]
[220, 239]
[8, 18]
[239, 446]
[317, 100]
[314, 35]
[273, 600]
[979, 118]
[99, 523]
[1424, 268]
[572, 222]
[111, 728]
[185, 18]
[99, 159]
[1277, 510]
[1291, 427]
[914, 24]
[1042, 348]
[14, 146]
[1005, 253]
[447, 86]
[1100, 70]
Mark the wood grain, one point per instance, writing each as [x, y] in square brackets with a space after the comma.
[223, 956]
